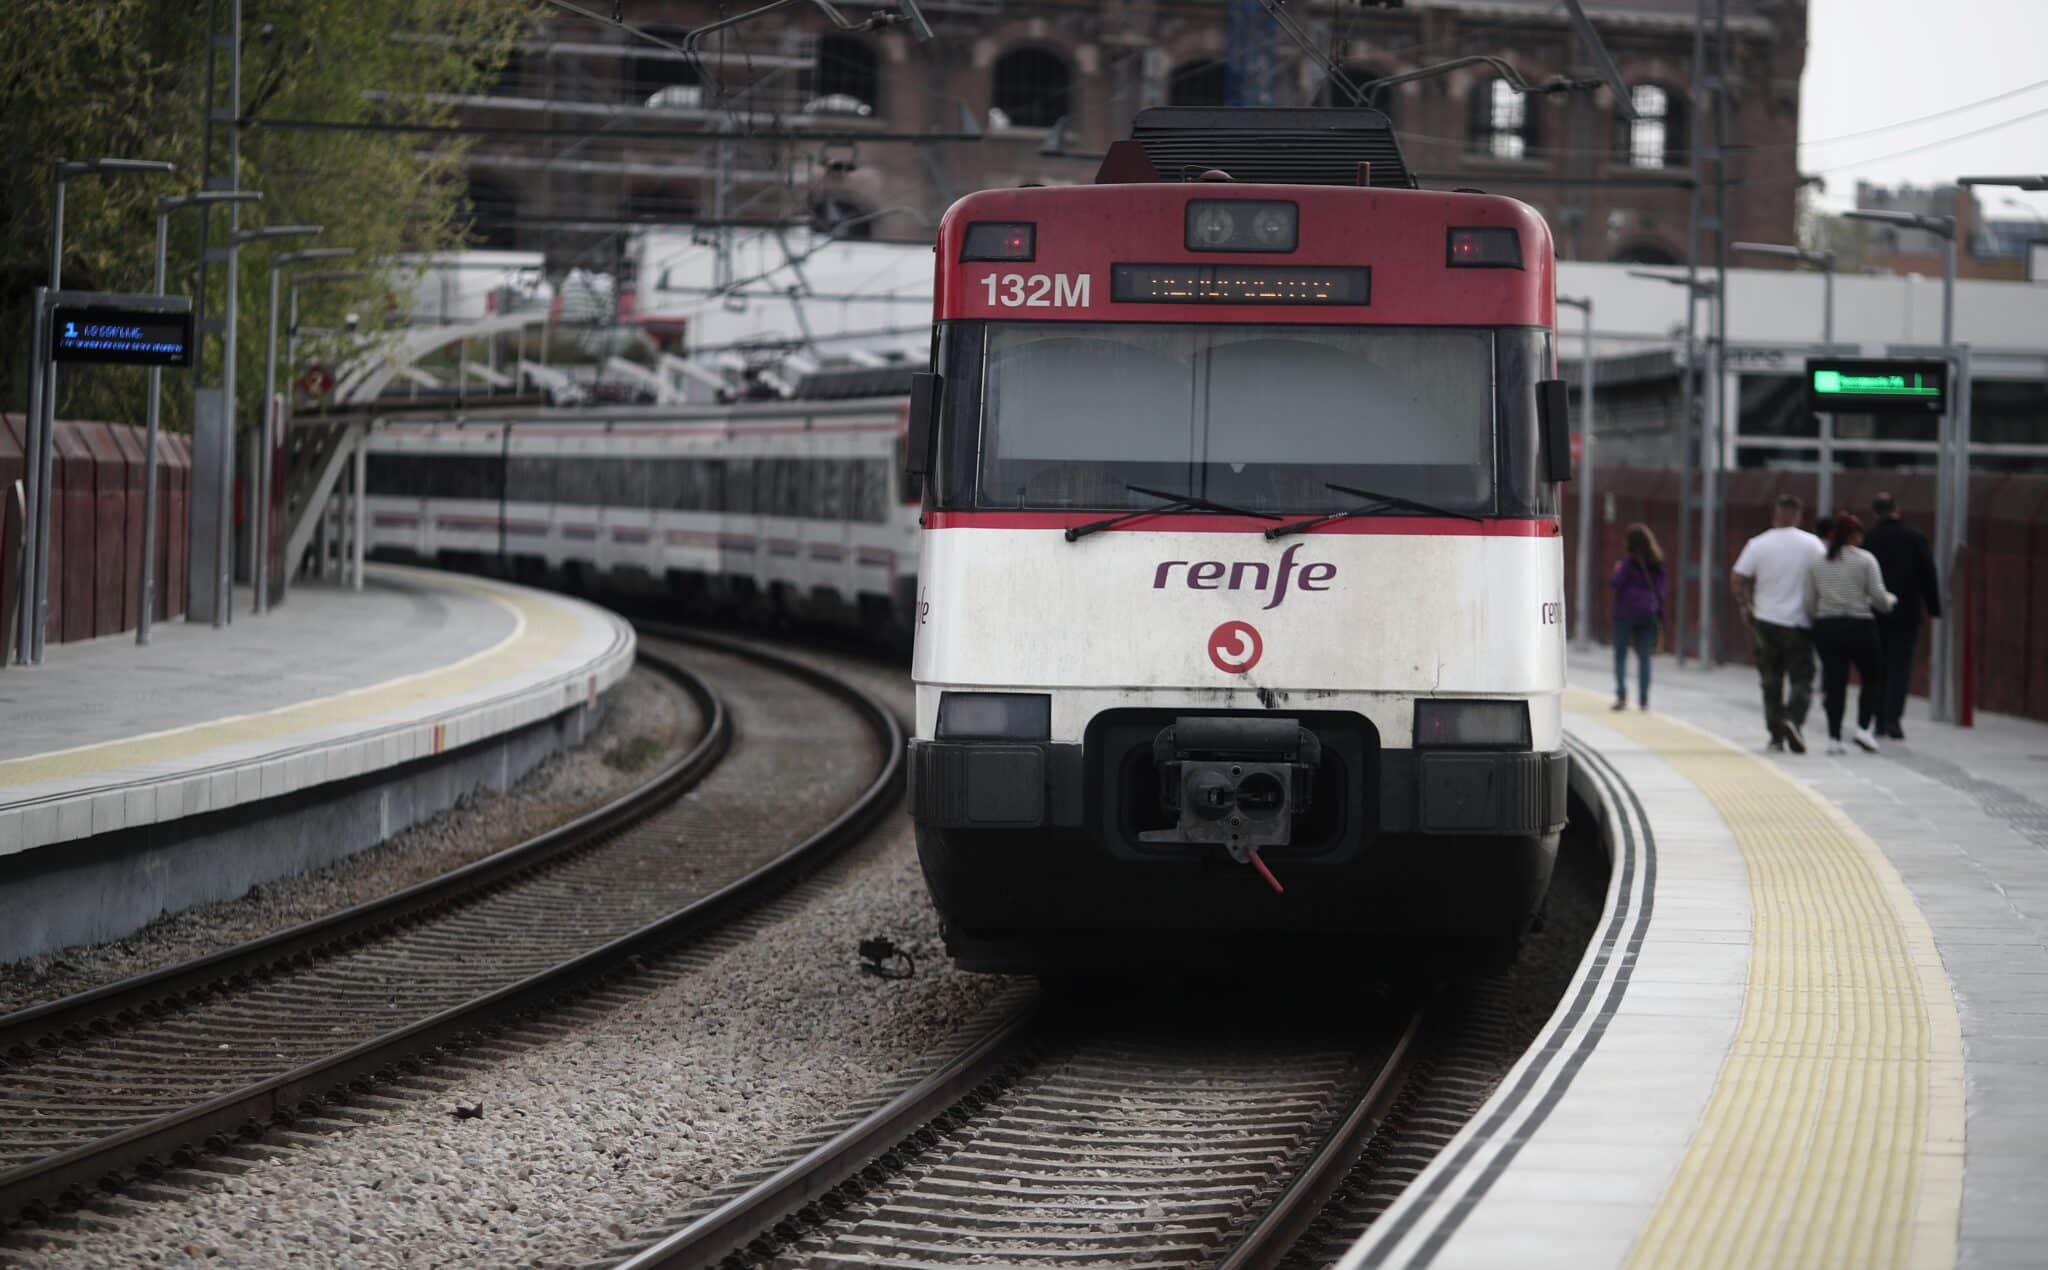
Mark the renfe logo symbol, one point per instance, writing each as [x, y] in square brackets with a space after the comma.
[1247, 575]
[1234, 647]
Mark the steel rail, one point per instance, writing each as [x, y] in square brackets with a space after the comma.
[751, 1214]
[174, 1139]
[1268, 1242]
[756, 1212]
[193, 980]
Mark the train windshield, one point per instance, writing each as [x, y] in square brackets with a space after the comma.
[1259, 417]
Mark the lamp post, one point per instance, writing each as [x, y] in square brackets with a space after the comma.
[258, 520]
[1582, 593]
[164, 208]
[1825, 262]
[1952, 462]
[271, 424]
[1710, 473]
[39, 460]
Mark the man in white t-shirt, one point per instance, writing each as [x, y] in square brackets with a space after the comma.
[1770, 591]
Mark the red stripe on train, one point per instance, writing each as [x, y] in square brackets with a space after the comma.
[1216, 523]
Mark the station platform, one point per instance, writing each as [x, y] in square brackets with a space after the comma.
[1813, 1026]
[139, 780]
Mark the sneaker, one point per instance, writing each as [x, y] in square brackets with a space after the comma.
[1836, 747]
[1895, 732]
[1776, 746]
[1865, 740]
[1793, 738]
[1620, 703]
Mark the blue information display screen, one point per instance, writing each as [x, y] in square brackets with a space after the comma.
[122, 337]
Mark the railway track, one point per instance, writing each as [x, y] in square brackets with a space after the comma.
[142, 1078]
[1055, 1139]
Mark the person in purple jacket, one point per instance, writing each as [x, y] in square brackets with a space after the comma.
[1638, 583]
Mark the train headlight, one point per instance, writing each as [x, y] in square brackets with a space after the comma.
[1210, 225]
[1237, 224]
[990, 716]
[1483, 247]
[1471, 725]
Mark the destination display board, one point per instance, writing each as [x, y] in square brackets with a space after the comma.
[1874, 385]
[102, 335]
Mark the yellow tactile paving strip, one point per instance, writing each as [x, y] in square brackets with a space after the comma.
[544, 629]
[1834, 1135]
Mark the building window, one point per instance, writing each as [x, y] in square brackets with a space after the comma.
[1502, 125]
[1195, 84]
[841, 218]
[491, 212]
[1031, 87]
[1656, 137]
[847, 79]
[1646, 253]
[660, 78]
[1359, 75]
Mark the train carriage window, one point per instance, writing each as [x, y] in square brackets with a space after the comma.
[714, 484]
[530, 478]
[828, 489]
[873, 481]
[739, 487]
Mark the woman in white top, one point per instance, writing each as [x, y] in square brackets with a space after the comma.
[1844, 593]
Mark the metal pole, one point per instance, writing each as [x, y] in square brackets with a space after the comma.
[1947, 531]
[1582, 591]
[31, 487]
[1826, 491]
[259, 551]
[224, 552]
[46, 461]
[1963, 699]
[362, 518]
[33, 493]
[149, 473]
[291, 378]
[1710, 513]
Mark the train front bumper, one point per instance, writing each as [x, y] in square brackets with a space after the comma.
[1036, 857]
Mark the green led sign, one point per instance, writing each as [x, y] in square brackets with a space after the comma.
[1870, 385]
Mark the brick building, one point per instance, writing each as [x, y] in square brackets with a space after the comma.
[1034, 93]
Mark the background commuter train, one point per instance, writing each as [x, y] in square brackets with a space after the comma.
[1241, 623]
[788, 508]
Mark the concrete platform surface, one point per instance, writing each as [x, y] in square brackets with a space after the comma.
[1814, 1027]
[332, 685]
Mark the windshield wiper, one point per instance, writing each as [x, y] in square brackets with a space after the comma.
[1174, 502]
[1379, 503]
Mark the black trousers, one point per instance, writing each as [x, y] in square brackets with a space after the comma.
[1897, 641]
[1842, 642]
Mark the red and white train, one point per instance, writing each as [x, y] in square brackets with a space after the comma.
[784, 508]
[1240, 623]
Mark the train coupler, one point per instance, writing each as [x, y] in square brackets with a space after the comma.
[1236, 782]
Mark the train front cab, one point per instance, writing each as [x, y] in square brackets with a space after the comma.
[1045, 856]
[1088, 789]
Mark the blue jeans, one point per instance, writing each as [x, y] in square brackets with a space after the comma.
[1641, 634]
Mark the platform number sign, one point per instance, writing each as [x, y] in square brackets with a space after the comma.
[120, 337]
[1876, 386]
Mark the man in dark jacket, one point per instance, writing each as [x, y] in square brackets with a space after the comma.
[1909, 573]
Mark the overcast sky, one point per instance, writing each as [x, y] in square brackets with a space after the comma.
[1871, 63]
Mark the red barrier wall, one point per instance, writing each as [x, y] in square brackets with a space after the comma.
[2006, 560]
[96, 525]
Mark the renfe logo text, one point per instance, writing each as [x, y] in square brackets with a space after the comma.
[1247, 575]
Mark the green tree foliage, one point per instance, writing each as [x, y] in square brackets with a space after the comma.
[82, 79]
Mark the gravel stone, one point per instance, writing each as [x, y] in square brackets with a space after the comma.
[647, 717]
[607, 1130]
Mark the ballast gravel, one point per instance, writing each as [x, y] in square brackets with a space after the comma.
[602, 1133]
[646, 719]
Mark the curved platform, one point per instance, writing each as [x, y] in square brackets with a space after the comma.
[114, 754]
[1812, 1029]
